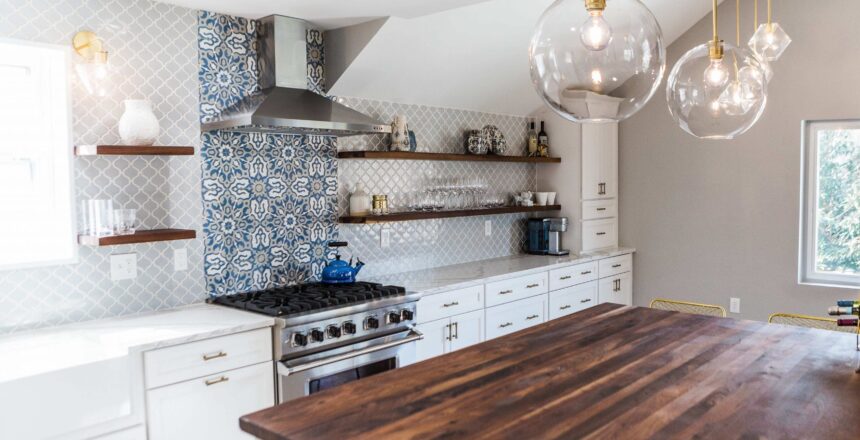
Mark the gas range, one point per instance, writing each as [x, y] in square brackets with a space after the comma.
[316, 317]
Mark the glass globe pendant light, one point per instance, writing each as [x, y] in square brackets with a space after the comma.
[597, 60]
[717, 90]
[769, 40]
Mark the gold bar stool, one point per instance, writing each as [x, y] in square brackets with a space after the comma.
[688, 307]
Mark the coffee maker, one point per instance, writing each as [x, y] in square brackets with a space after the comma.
[545, 236]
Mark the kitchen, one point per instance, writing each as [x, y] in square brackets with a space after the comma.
[246, 144]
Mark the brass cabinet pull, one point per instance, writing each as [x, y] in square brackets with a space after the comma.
[565, 307]
[586, 300]
[507, 324]
[585, 273]
[601, 233]
[455, 303]
[531, 286]
[532, 317]
[209, 357]
[566, 277]
[211, 382]
[456, 334]
[616, 265]
[505, 292]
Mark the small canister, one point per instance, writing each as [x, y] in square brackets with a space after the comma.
[379, 204]
[384, 203]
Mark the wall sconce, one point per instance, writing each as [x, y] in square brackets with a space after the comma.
[93, 71]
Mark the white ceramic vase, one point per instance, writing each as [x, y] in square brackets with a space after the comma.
[359, 201]
[138, 125]
[399, 134]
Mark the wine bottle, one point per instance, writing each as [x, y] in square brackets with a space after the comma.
[847, 322]
[533, 140]
[543, 139]
[837, 310]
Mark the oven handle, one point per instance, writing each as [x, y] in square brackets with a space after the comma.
[414, 335]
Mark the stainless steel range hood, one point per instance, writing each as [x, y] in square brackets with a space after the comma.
[285, 105]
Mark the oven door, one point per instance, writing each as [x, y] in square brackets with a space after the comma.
[317, 372]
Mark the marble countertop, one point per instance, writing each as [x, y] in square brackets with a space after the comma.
[40, 351]
[442, 279]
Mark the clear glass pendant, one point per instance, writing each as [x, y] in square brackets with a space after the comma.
[597, 66]
[710, 111]
[769, 41]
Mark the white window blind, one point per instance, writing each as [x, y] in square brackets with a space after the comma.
[36, 209]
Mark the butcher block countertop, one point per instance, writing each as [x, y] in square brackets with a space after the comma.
[606, 372]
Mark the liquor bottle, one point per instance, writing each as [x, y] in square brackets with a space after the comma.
[848, 303]
[543, 139]
[837, 310]
[533, 140]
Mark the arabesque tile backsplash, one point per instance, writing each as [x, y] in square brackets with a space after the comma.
[285, 191]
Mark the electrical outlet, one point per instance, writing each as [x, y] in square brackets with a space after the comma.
[735, 305]
[488, 228]
[180, 260]
[123, 267]
[385, 237]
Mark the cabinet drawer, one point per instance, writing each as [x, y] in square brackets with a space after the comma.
[501, 292]
[616, 289]
[572, 299]
[615, 265]
[572, 275]
[443, 305]
[594, 209]
[514, 316]
[209, 356]
[599, 234]
[210, 407]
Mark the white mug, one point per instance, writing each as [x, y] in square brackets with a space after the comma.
[550, 199]
[541, 198]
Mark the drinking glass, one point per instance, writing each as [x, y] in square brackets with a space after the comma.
[125, 221]
[97, 215]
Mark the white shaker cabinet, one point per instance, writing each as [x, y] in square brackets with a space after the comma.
[449, 334]
[616, 289]
[210, 407]
[599, 161]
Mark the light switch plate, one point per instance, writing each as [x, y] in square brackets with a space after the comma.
[735, 305]
[488, 228]
[123, 267]
[180, 260]
[385, 237]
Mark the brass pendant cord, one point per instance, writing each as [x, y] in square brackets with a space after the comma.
[716, 37]
[737, 36]
[755, 15]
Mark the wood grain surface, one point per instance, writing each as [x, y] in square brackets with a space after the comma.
[609, 372]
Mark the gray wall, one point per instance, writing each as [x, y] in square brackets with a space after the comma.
[716, 219]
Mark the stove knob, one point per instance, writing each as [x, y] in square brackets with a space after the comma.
[333, 331]
[348, 328]
[407, 315]
[317, 335]
[394, 318]
[371, 323]
[300, 339]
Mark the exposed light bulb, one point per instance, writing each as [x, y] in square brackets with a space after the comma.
[716, 75]
[737, 99]
[596, 32]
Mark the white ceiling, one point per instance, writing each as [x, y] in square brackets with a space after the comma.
[467, 54]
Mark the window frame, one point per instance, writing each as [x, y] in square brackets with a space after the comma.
[807, 274]
[73, 258]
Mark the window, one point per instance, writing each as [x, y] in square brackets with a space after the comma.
[830, 223]
[36, 210]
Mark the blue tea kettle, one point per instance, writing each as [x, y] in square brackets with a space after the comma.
[338, 271]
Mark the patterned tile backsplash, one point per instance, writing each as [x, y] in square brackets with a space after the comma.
[151, 47]
[266, 204]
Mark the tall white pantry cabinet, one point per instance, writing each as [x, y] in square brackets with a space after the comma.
[586, 180]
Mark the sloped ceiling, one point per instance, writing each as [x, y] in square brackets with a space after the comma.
[467, 54]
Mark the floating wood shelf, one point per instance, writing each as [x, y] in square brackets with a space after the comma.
[408, 155]
[132, 150]
[147, 236]
[424, 215]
